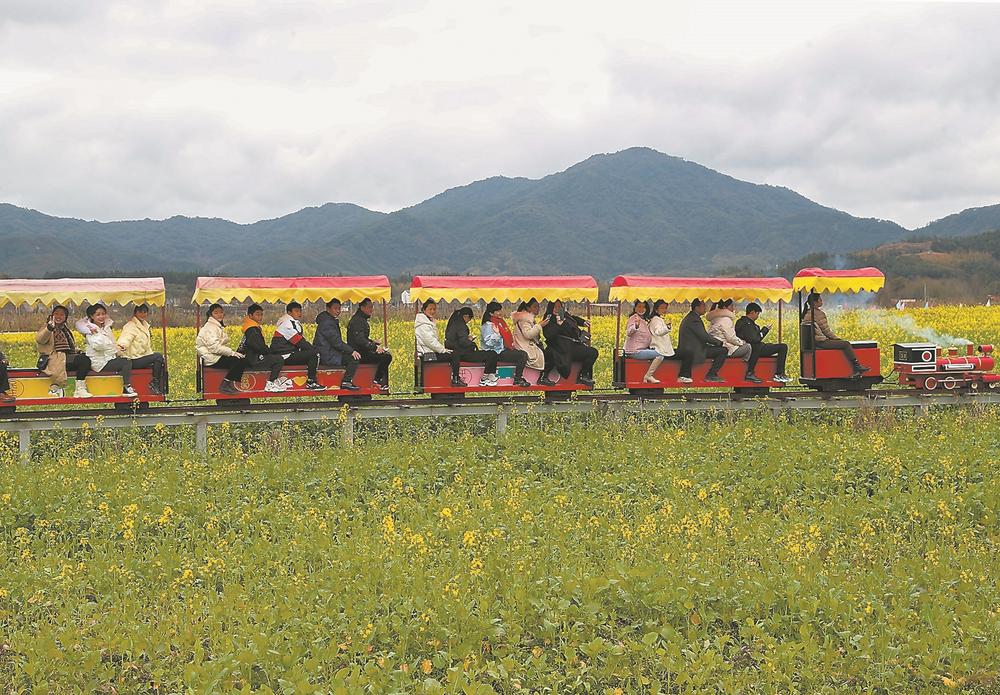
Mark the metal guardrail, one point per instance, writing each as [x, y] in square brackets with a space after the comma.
[346, 416]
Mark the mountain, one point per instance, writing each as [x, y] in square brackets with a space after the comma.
[950, 269]
[965, 223]
[637, 211]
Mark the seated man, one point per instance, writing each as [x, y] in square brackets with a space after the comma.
[58, 354]
[824, 338]
[5, 395]
[257, 353]
[359, 338]
[136, 344]
[333, 351]
[748, 331]
[694, 344]
[291, 344]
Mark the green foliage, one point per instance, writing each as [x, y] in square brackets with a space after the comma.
[824, 553]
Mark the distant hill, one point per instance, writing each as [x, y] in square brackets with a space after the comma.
[965, 223]
[636, 211]
[954, 269]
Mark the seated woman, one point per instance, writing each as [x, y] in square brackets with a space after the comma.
[722, 325]
[638, 339]
[824, 338]
[135, 343]
[496, 336]
[565, 337]
[660, 343]
[214, 352]
[105, 355]
[58, 354]
[456, 339]
[429, 347]
[527, 336]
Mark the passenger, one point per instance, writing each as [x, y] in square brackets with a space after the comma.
[290, 342]
[5, 395]
[136, 343]
[333, 351]
[565, 337]
[212, 348]
[748, 330]
[496, 336]
[824, 338]
[694, 344]
[527, 337]
[429, 347]
[722, 325]
[359, 338]
[58, 354]
[638, 339]
[659, 330]
[256, 352]
[105, 355]
[458, 340]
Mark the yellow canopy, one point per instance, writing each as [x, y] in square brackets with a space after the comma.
[855, 280]
[678, 289]
[284, 290]
[468, 288]
[83, 291]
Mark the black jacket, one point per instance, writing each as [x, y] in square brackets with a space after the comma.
[359, 333]
[560, 340]
[457, 338]
[693, 338]
[748, 330]
[253, 344]
[329, 341]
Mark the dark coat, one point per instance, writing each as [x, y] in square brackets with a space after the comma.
[329, 341]
[748, 331]
[359, 333]
[456, 336]
[253, 344]
[560, 340]
[693, 338]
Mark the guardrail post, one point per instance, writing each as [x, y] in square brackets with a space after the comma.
[24, 445]
[501, 421]
[201, 437]
[347, 431]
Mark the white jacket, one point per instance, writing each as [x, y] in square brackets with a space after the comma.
[101, 346]
[660, 331]
[211, 342]
[722, 325]
[427, 335]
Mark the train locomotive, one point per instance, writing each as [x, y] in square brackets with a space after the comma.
[925, 366]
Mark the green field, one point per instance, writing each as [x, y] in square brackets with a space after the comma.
[813, 553]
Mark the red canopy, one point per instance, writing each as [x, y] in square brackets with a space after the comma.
[348, 289]
[678, 289]
[472, 288]
[854, 280]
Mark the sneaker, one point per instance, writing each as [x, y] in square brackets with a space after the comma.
[349, 386]
[783, 378]
[129, 392]
[384, 388]
[753, 379]
[315, 386]
[227, 387]
[685, 379]
[285, 382]
[56, 391]
[7, 397]
[521, 383]
[458, 383]
[545, 381]
[488, 380]
[154, 388]
[82, 392]
[714, 379]
[585, 380]
[274, 387]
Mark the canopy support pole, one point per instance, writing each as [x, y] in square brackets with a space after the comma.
[163, 335]
[197, 360]
[780, 304]
[385, 326]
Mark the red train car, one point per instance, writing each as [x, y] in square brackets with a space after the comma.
[830, 370]
[923, 366]
[281, 291]
[32, 387]
[434, 377]
[629, 371]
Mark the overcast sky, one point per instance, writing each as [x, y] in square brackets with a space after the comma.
[248, 109]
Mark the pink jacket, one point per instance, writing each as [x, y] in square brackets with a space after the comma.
[637, 335]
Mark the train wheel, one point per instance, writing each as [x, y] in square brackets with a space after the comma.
[930, 383]
[950, 383]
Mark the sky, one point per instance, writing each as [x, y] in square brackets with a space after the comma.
[246, 109]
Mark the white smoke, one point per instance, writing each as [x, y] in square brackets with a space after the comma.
[908, 324]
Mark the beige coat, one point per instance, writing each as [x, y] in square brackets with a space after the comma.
[211, 342]
[722, 325]
[56, 368]
[527, 336]
[821, 329]
[135, 339]
[660, 330]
